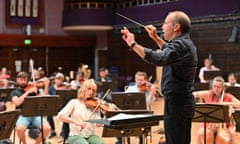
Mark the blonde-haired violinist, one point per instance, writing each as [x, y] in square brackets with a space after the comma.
[77, 112]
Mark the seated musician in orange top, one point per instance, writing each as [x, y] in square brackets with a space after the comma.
[217, 95]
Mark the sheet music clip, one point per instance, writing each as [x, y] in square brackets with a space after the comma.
[7, 122]
[216, 113]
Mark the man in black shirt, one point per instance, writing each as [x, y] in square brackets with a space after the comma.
[17, 96]
[179, 59]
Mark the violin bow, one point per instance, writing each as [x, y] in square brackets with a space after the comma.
[106, 93]
[33, 77]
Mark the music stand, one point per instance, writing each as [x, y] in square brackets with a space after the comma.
[5, 94]
[7, 122]
[201, 86]
[235, 91]
[209, 75]
[126, 122]
[130, 103]
[129, 100]
[236, 116]
[110, 132]
[216, 113]
[40, 106]
[65, 96]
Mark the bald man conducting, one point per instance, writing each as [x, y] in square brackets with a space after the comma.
[178, 56]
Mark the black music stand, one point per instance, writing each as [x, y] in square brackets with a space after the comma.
[5, 94]
[125, 101]
[110, 132]
[40, 106]
[210, 75]
[130, 103]
[201, 86]
[236, 116]
[216, 113]
[65, 96]
[7, 122]
[235, 91]
[126, 122]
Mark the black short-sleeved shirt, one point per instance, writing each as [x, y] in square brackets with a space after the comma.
[18, 92]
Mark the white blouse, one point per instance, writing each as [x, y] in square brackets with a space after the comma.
[78, 111]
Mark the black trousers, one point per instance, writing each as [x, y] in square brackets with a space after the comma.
[178, 115]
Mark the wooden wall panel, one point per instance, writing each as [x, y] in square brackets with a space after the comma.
[47, 51]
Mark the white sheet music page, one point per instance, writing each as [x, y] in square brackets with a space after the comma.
[123, 116]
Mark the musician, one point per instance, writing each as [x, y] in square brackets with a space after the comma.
[57, 85]
[79, 79]
[178, 56]
[17, 96]
[100, 80]
[217, 95]
[232, 81]
[4, 83]
[208, 66]
[4, 74]
[76, 113]
[4, 77]
[143, 85]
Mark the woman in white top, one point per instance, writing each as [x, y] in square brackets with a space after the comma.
[76, 113]
[208, 66]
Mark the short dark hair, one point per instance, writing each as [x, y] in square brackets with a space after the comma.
[22, 75]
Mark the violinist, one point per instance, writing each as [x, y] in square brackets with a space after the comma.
[76, 113]
[42, 83]
[217, 95]
[142, 85]
[79, 79]
[17, 96]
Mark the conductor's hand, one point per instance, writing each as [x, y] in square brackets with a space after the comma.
[127, 36]
[152, 31]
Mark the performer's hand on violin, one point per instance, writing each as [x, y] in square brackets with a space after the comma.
[31, 90]
[46, 81]
[127, 36]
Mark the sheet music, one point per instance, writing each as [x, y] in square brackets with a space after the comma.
[123, 116]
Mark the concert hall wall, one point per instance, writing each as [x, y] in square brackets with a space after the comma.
[208, 37]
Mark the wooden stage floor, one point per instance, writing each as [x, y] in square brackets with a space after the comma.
[157, 107]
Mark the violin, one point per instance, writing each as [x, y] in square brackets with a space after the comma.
[39, 84]
[97, 104]
[145, 87]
